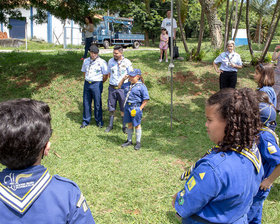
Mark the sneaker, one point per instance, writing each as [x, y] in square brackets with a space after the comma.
[83, 126]
[109, 128]
[137, 146]
[124, 129]
[127, 143]
[160, 60]
[166, 60]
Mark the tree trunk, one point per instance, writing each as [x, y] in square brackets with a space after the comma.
[236, 14]
[201, 30]
[238, 20]
[226, 27]
[230, 20]
[147, 41]
[260, 30]
[214, 22]
[273, 26]
[182, 31]
[248, 29]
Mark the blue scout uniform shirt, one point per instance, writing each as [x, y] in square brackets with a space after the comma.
[138, 94]
[118, 69]
[94, 69]
[226, 58]
[271, 93]
[32, 195]
[221, 187]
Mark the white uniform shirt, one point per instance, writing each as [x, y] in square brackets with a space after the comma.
[118, 69]
[226, 59]
[94, 69]
[88, 34]
[166, 23]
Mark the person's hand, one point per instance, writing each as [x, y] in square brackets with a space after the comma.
[125, 77]
[174, 38]
[232, 65]
[219, 71]
[265, 184]
[174, 199]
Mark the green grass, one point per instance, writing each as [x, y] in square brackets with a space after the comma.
[123, 185]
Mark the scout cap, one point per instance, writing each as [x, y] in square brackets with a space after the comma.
[135, 72]
[267, 113]
[94, 49]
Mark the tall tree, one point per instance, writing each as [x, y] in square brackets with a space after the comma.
[238, 19]
[215, 24]
[248, 28]
[180, 17]
[226, 26]
[201, 31]
[261, 8]
[272, 29]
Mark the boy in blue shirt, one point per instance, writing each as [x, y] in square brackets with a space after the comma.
[28, 193]
[270, 153]
[136, 99]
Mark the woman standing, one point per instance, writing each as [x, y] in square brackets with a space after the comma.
[276, 87]
[230, 61]
[88, 29]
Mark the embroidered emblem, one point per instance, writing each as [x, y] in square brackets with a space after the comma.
[191, 183]
[202, 175]
[80, 201]
[12, 182]
[271, 148]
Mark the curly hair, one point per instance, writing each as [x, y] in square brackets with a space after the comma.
[240, 110]
[267, 75]
[25, 130]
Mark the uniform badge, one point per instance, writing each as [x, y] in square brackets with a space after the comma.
[181, 199]
[191, 183]
[271, 148]
[201, 175]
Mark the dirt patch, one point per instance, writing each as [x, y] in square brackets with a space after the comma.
[181, 77]
[133, 212]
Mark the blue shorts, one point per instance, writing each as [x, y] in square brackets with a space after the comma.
[115, 95]
[127, 114]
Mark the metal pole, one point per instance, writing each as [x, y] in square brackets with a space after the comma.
[171, 65]
[26, 36]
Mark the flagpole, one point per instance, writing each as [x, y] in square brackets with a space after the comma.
[171, 65]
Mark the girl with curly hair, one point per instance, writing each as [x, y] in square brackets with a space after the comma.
[264, 77]
[221, 185]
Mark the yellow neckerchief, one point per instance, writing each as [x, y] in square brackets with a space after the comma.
[254, 156]
[271, 132]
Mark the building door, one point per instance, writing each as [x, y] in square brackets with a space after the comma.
[17, 29]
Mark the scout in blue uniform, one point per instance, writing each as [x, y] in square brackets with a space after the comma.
[28, 193]
[95, 70]
[264, 77]
[270, 153]
[221, 185]
[136, 99]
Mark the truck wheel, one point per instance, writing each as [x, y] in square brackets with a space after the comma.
[136, 44]
[106, 44]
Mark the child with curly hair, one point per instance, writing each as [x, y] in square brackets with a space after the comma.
[221, 185]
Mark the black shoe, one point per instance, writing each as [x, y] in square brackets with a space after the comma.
[127, 143]
[137, 146]
[109, 128]
[124, 129]
[83, 126]
[100, 125]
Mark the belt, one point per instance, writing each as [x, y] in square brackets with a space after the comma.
[134, 104]
[90, 82]
[114, 87]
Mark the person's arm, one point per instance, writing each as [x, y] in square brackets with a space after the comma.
[216, 68]
[267, 182]
[90, 29]
[236, 66]
[174, 33]
[143, 104]
[105, 77]
[275, 53]
[122, 81]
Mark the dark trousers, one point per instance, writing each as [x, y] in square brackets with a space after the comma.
[87, 46]
[92, 91]
[228, 79]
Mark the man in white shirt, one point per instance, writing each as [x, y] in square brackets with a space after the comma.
[166, 23]
[118, 67]
[95, 70]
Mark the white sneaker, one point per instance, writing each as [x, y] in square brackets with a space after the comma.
[160, 60]
[166, 60]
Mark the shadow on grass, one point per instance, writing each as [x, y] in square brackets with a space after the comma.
[274, 194]
[171, 217]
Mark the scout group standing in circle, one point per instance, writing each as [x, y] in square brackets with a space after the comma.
[227, 185]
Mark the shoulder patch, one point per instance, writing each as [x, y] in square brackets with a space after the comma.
[202, 175]
[271, 148]
[82, 202]
[191, 183]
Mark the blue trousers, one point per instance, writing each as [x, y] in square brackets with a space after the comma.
[92, 91]
[87, 46]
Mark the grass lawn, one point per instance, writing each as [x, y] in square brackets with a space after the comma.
[123, 185]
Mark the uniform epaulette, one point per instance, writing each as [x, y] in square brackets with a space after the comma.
[271, 132]
[60, 178]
